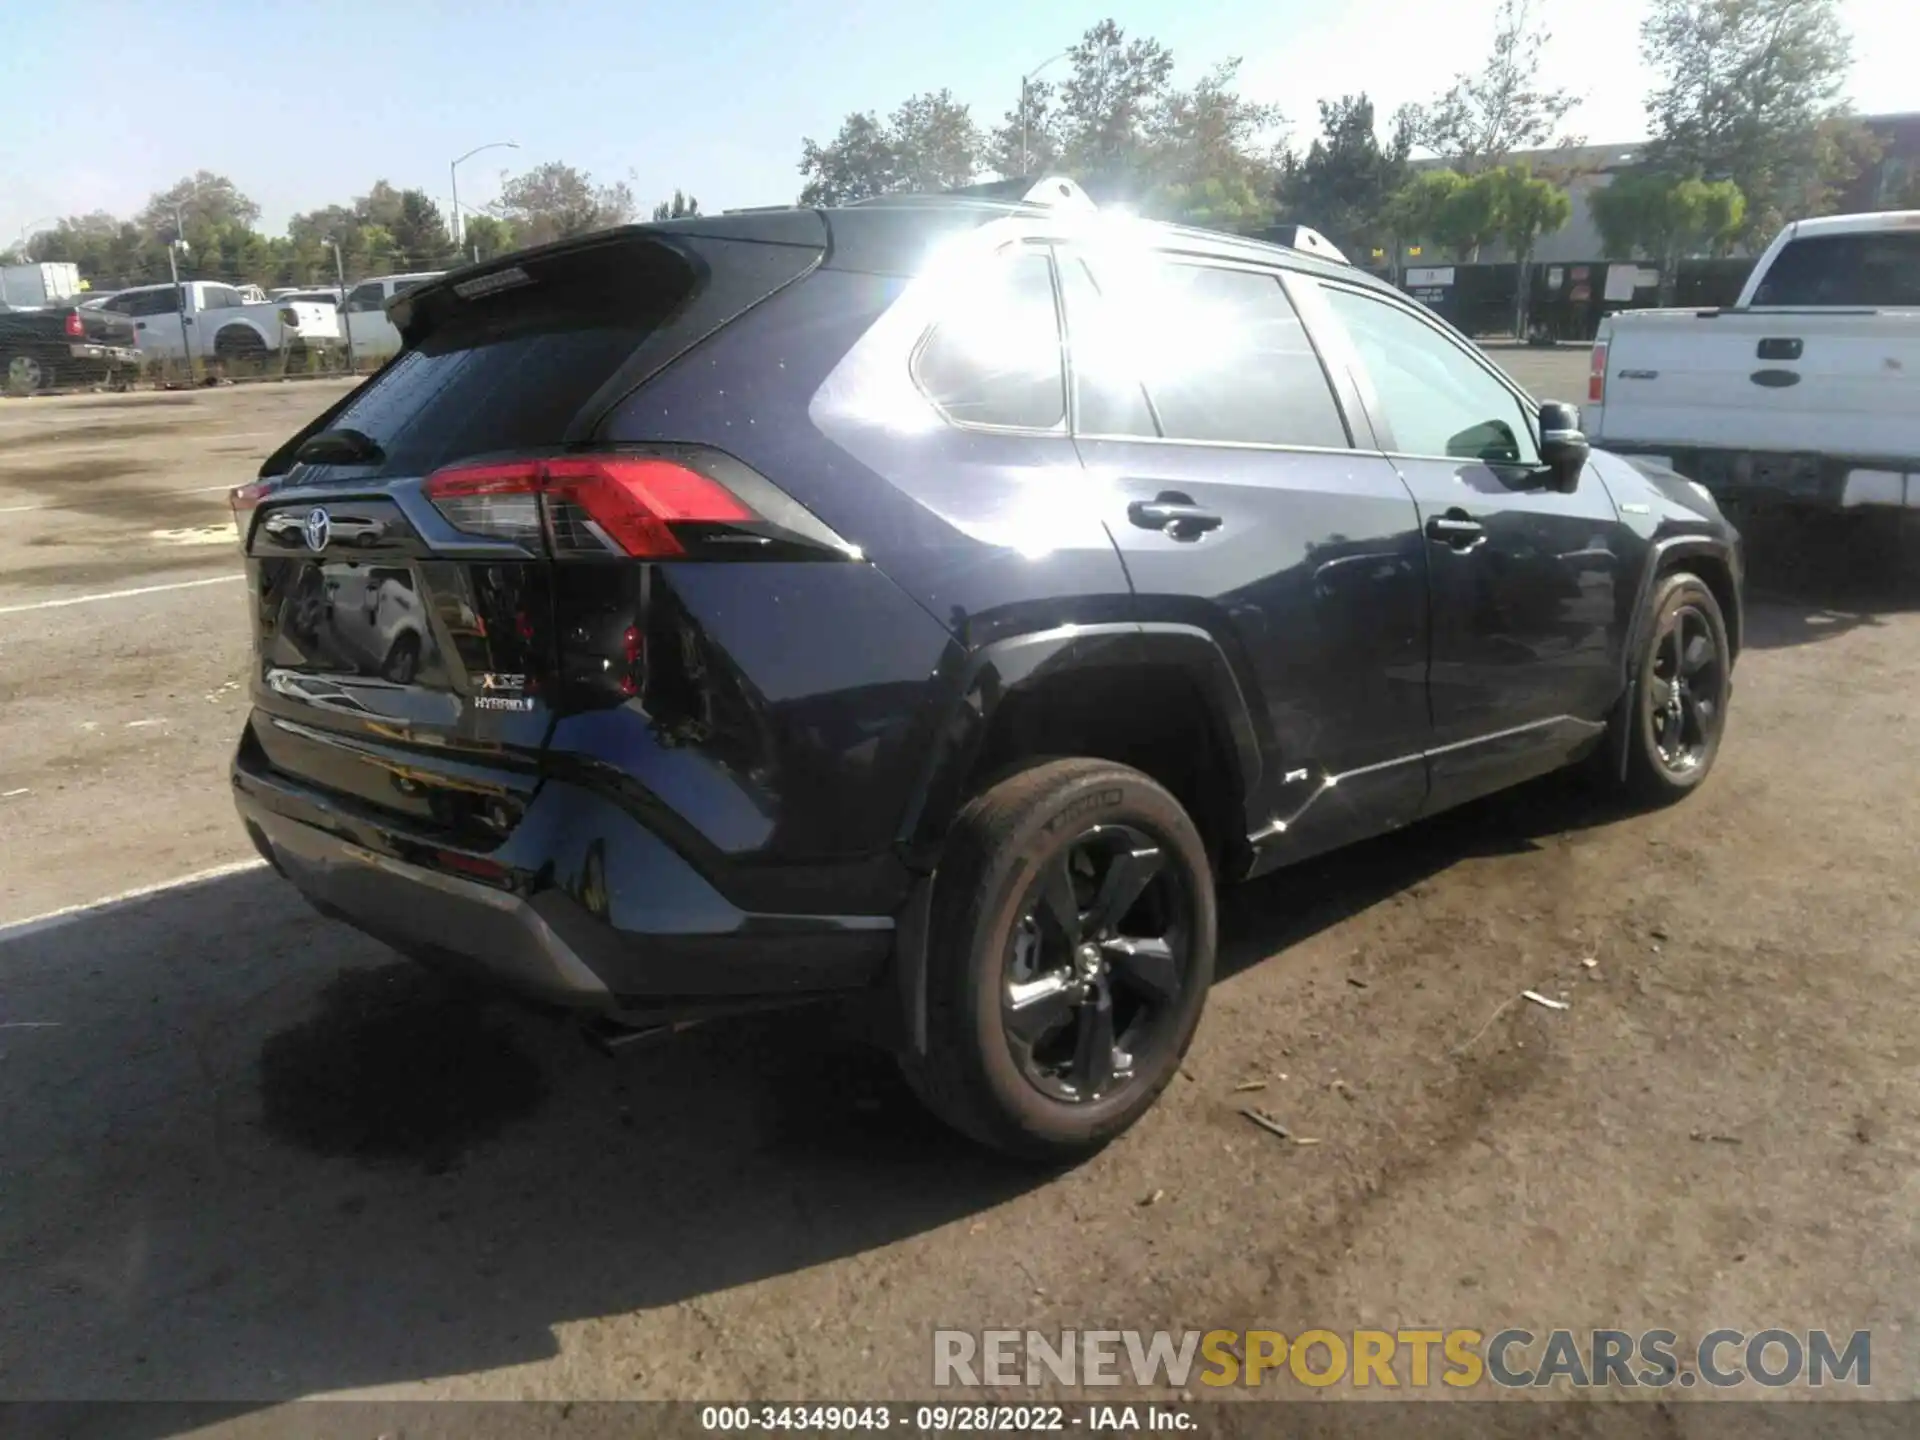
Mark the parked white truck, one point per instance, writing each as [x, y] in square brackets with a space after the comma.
[222, 325]
[1805, 394]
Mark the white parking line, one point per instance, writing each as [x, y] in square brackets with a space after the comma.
[67, 914]
[43, 505]
[117, 594]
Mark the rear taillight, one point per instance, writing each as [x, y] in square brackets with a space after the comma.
[1597, 375]
[245, 499]
[75, 327]
[687, 504]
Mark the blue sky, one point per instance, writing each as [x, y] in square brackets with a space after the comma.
[303, 104]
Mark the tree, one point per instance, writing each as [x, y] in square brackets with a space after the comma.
[856, 164]
[936, 145]
[1213, 155]
[1665, 219]
[1416, 214]
[420, 232]
[1472, 215]
[553, 201]
[203, 201]
[929, 143]
[1346, 183]
[1529, 207]
[1489, 113]
[678, 208]
[1108, 106]
[486, 236]
[1750, 91]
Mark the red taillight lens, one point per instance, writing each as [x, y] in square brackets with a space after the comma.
[1597, 375]
[594, 504]
[75, 327]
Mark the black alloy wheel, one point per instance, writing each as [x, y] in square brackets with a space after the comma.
[1096, 965]
[1685, 690]
[1069, 949]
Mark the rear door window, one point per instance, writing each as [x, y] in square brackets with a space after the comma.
[1851, 270]
[511, 370]
[1194, 352]
[365, 298]
[995, 360]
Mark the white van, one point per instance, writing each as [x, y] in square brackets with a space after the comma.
[365, 314]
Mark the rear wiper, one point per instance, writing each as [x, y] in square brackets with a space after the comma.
[339, 447]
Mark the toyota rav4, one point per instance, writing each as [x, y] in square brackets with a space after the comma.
[931, 601]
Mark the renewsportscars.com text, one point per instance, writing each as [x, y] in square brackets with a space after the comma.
[1403, 1359]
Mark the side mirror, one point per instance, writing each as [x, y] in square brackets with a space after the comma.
[1563, 449]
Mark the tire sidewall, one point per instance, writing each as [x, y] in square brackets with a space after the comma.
[1110, 796]
[1673, 593]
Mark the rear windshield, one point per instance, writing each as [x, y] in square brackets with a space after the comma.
[1856, 270]
[511, 370]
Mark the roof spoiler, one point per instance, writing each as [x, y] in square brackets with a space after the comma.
[1309, 242]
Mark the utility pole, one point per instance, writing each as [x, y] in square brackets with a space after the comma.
[174, 247]
[453, 174]
[346, 316]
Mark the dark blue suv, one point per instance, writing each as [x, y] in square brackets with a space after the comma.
[932, 601]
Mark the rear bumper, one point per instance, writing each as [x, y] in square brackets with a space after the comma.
[87, 352]
[1755, 479]
[582, 906]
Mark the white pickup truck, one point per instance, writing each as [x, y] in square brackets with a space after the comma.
[222, 324]
[1805, 394]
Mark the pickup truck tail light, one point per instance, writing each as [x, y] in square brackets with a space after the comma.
[1597, 375]
[74, 326]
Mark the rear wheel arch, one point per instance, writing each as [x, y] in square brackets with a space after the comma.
[1162, 700]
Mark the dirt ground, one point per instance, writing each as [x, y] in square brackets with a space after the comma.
[248, 1155]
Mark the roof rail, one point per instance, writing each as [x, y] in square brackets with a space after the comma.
[1308, 242]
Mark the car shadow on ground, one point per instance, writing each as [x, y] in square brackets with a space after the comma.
[1818, 579]
[253, 1157]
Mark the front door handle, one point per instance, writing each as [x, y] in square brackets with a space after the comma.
[1456, 528]
[1173, 514]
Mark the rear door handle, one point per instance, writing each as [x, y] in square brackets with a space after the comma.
[1456, 528]
[1173, 514]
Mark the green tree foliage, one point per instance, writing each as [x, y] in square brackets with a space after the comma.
[1346, 184]
[1490, 112]
[1417, 212]
[1529, 207]
[929, 143]
[1665, 219]
[678, 208]
[553, 201]
[1116, 122]
[420, 232]
[488, 235]
[1750, 91]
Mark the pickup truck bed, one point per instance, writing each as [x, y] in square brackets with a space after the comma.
[1806, 404]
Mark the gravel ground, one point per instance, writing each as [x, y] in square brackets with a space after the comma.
[250, 1156]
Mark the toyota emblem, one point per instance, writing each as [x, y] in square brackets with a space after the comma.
[318, 526]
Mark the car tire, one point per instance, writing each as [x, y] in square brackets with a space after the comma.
[1071, 947]
[24, 374]
[1674, 730]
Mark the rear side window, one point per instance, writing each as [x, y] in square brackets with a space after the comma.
[222, 297]
[512, 370]
[365, 298]
[995, 359]
[1862, 270]
[1218, 355]
[152, 302]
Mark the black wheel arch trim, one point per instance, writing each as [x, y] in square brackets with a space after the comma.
[1662, 557]
[996, 672]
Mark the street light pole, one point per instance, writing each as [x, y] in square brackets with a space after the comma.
[26, 231]
[1026, 89]
[453, 174]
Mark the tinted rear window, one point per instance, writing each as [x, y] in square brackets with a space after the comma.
[1862, 270]
[512, 370]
